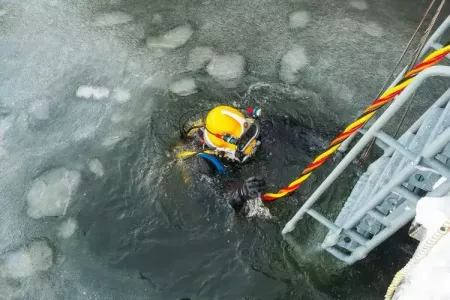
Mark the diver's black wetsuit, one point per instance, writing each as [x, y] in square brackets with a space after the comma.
[285, 143]
[237, 192]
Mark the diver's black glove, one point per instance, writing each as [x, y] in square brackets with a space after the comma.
[252, 188]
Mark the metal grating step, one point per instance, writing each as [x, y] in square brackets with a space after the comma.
[421, 137]
[355, 203]
[396, 157]
[364, 184]
[377, 175]
[416, 146]
[424, 180]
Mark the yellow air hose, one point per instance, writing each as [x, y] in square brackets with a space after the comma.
[422, 252]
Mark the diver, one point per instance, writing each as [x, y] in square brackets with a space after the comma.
[226, 136]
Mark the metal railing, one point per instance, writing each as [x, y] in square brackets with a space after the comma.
[426, 158]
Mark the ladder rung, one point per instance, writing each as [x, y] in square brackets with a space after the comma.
[333, 227]
[356, 236]
[405, 193]
[395, 144]
[379, 217]
[319, 217]
[338, 254]
[440, 168]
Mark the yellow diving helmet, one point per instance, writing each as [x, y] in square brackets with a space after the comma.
[232, 132]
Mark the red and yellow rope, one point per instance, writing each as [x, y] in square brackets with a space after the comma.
[385, 98]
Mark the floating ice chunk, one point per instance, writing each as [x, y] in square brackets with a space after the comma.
[21, 121]
[116, 118]
[373, 29]
[294, 60]
[359, 4]
[157, 19]
[92, 92]
[120, 117]
[67, 228]
[96, 167]
[171, 39]
[6, 123]
[39, 110]
[199, 57]
[183, 87]
[34, 257]
[11, 289]
[227, 69]
[299, 19]
[114, 139]
[342, 91]
[2, 12]
[84, 132]
[121, 95]
[112, 18]
[382, 71]
[50, 194]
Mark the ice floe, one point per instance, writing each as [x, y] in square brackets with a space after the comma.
[183, 87]
[293, 61]
[227, 69]
[172, 39]
[92, 92]
[50, 194]
[34, 257]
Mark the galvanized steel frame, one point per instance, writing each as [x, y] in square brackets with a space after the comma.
[395, 185]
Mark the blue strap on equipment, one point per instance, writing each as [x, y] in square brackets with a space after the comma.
[216, 163]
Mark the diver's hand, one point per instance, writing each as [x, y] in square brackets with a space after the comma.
[252, 188]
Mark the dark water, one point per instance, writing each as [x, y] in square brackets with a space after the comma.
[182, 240]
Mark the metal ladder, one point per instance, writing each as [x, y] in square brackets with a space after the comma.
[384, 198]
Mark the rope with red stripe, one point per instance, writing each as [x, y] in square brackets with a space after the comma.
[385, 98]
